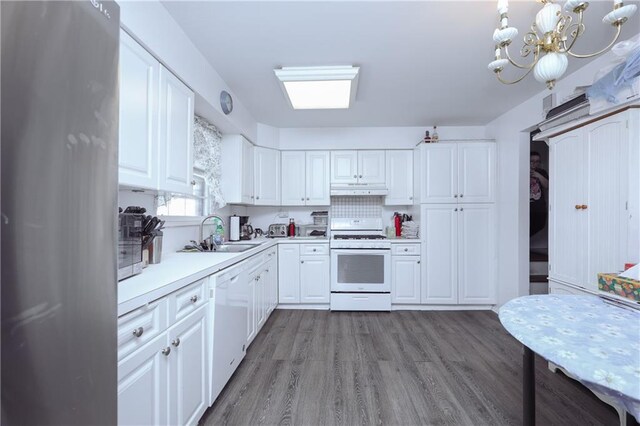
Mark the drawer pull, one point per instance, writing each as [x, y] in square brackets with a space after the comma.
[406, 249]
[166, 351]
[176, 342]
[194, 299]
[138, 331]
[315, 250]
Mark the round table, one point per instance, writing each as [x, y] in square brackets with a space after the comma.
[596, 342]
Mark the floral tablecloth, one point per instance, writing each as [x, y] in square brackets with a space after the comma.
[596, 342]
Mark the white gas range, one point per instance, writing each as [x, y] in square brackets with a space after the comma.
[360, 265]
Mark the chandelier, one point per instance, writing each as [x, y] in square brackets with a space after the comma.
[551, 38]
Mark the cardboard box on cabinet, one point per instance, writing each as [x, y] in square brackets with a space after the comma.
[620, 286]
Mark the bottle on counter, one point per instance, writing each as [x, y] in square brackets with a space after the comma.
[434, 136]
[291, 232]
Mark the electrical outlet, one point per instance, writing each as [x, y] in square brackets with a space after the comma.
[283, 214]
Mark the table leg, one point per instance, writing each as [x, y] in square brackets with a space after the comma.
[528, 387]
[631, 421]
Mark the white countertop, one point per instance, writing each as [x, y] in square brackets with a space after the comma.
[179, 269]
[404, 240]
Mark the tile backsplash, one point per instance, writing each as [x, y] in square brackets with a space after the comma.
[356, 207]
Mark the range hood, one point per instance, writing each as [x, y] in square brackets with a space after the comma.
[362, 189]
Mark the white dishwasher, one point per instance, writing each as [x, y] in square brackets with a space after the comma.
[230, 292]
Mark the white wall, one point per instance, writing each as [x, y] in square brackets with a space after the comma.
[152, 26]
[511, 132]
[268, 136]
[370, 137]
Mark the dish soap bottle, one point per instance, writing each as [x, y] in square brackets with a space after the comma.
[292, 228]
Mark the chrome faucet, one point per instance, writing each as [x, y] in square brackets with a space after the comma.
[213, 216]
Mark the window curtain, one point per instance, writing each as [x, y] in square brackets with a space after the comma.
[207, 149]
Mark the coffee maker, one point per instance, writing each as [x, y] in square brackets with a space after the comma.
[239, 228]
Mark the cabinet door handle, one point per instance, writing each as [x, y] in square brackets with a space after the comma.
[176, 342]
[411, 198]
[315, 250]
[461, 195]
[302, 199]
[307, 198]
[461, 209]
[194, 299]
[166, 351]
[355, 176]
[193, 182]
[455, 195]
[418, 262]
[258, 197]
[360, 176]
[406, 249]
[138, 331]
[455, 210]
[302, 261]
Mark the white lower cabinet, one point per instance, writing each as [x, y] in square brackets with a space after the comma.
[188, 379]
[263, 291]
[165, 381]
[314, 279]
[304, 273]
[459, 254]
[405, 279]
[142, 385]
[289, 273]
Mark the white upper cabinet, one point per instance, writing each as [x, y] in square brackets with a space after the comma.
[156, 123]
[476, 172]
[267, 176]
[138, 133]
[248, 171]
[344, 166]
[305, 178]
[399, 176]
[293, 177]
[176, 134]
[457, 172]
[357, 167]
[237, 170]
[317, 184]
[371, 167]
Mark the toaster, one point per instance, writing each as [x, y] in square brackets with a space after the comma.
[277, 230]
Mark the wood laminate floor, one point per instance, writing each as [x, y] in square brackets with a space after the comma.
[405, 367]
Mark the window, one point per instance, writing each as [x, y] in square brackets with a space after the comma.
[187, 206]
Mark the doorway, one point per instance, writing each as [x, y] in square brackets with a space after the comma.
[538, 216]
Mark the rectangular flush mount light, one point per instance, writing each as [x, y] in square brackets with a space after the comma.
[319, 87]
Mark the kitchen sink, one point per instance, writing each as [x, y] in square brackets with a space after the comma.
[232, 248]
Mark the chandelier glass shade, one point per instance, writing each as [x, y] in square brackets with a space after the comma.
[551, 39]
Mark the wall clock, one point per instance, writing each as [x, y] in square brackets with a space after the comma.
[226, 102]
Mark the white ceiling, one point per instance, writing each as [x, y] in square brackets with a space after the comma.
[422, 63]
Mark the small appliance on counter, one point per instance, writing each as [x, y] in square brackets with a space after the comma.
[277, 230]
[234, 228]
[313, 231]
[130, 227]
[239, 228]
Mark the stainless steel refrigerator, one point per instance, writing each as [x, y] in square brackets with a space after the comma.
[59, 119]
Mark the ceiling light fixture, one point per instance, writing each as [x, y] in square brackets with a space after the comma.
[551, 38]
[331, 87]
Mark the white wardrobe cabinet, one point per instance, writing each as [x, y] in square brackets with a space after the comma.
[593, 200]
[456, 172]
